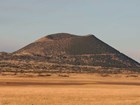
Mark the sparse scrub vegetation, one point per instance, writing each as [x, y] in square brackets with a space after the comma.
[132, 75]
[105, 75]
[63, 75]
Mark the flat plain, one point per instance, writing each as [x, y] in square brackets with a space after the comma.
[75, 89]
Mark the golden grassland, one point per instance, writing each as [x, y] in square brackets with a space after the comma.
[77, 89]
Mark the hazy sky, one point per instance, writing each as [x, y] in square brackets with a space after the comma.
[116, 22]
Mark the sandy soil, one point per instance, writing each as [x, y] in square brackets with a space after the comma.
[78, 89]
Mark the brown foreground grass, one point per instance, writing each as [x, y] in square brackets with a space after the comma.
[77, 89]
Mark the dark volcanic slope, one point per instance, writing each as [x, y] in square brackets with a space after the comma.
[68, 44]
[66, 48]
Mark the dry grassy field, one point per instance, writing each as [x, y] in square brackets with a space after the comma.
[77, 89]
